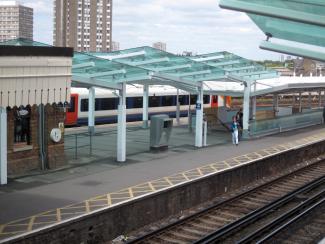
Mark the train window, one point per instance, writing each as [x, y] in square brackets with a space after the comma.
[106, 104]
[206, 99]
[134, 102]
[154, 101]
[72, 105]
[193, 99]
[168, 101]
[183, 100]
[84, 105]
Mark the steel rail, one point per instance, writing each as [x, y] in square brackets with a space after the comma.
[223, 202]
[225, 231]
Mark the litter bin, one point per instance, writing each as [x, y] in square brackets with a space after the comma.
[160, 130]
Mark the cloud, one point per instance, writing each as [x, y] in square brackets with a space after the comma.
[198, 26]
[40, 6]
[193, 25]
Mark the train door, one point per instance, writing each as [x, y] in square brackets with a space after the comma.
[72, 112]
[214, 101]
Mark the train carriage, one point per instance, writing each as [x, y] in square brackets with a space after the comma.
[162, 99]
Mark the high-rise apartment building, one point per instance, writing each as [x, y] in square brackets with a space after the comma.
[16, 21]
[160, 45]
[85, 25]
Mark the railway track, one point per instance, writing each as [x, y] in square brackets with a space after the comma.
[240, 218]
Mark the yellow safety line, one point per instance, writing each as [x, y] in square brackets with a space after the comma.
[213, 167]
[226, 163]
[200, 171]
[161, 183]
[12, 233]
[30, 224]
[109, 199]
[87, 206]
[185, 176]
[151, 186]
[58, 214]
[168, 181]
[131, 192]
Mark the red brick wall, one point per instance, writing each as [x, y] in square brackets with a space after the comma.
[24, 161]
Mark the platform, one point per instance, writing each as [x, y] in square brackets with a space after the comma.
[37, 201]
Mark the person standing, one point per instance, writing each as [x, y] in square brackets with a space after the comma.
[234, 129]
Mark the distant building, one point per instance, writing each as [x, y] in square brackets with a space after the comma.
[115, 46]
[284, 71]
[16, 21]
[85, 25]
[160, 45]
[307, 67]
[282, 58]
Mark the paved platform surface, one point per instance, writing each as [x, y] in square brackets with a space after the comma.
[37, 201]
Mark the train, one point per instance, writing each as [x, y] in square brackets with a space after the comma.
[162, 99]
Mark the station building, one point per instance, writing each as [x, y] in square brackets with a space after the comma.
[34, 89]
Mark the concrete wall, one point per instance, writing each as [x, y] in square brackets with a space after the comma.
[109, 223]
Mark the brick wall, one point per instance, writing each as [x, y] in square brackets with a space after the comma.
[23, 160]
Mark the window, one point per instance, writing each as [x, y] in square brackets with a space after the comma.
[206, 99]
[22, 126]
[134, 102]
[168, 101]
[154, 101]
[72, 105]
[100, 104]
[106, 104]
[84, 105]
[183, 100]
[193, 99]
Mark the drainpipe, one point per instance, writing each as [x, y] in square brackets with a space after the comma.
[41, 136]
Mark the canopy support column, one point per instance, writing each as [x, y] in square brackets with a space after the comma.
[319, 99]
[293, 100]
[276, 104]
[91, 110]
[145, 111]
[199, 117]
[178, 110]
[121, 127]
[3, 147]
[247, 91]
[309, 100]
[254, 102]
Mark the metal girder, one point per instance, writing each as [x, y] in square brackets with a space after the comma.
[108, 73]
[275, 12]
[224, 63]
[83, 65]
[183, 66]
[211, 77]
[204, 59]
[173, 78]
[239, 68]
[126, 55]
[201, 72]
[95, 82]
[150, 61]
[302, 52]
[261, 72]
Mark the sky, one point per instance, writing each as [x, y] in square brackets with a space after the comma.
[199, 26]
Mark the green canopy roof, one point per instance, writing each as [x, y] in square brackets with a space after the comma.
[146, 65]
[290, 20]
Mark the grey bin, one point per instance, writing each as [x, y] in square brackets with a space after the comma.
[160, 130]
